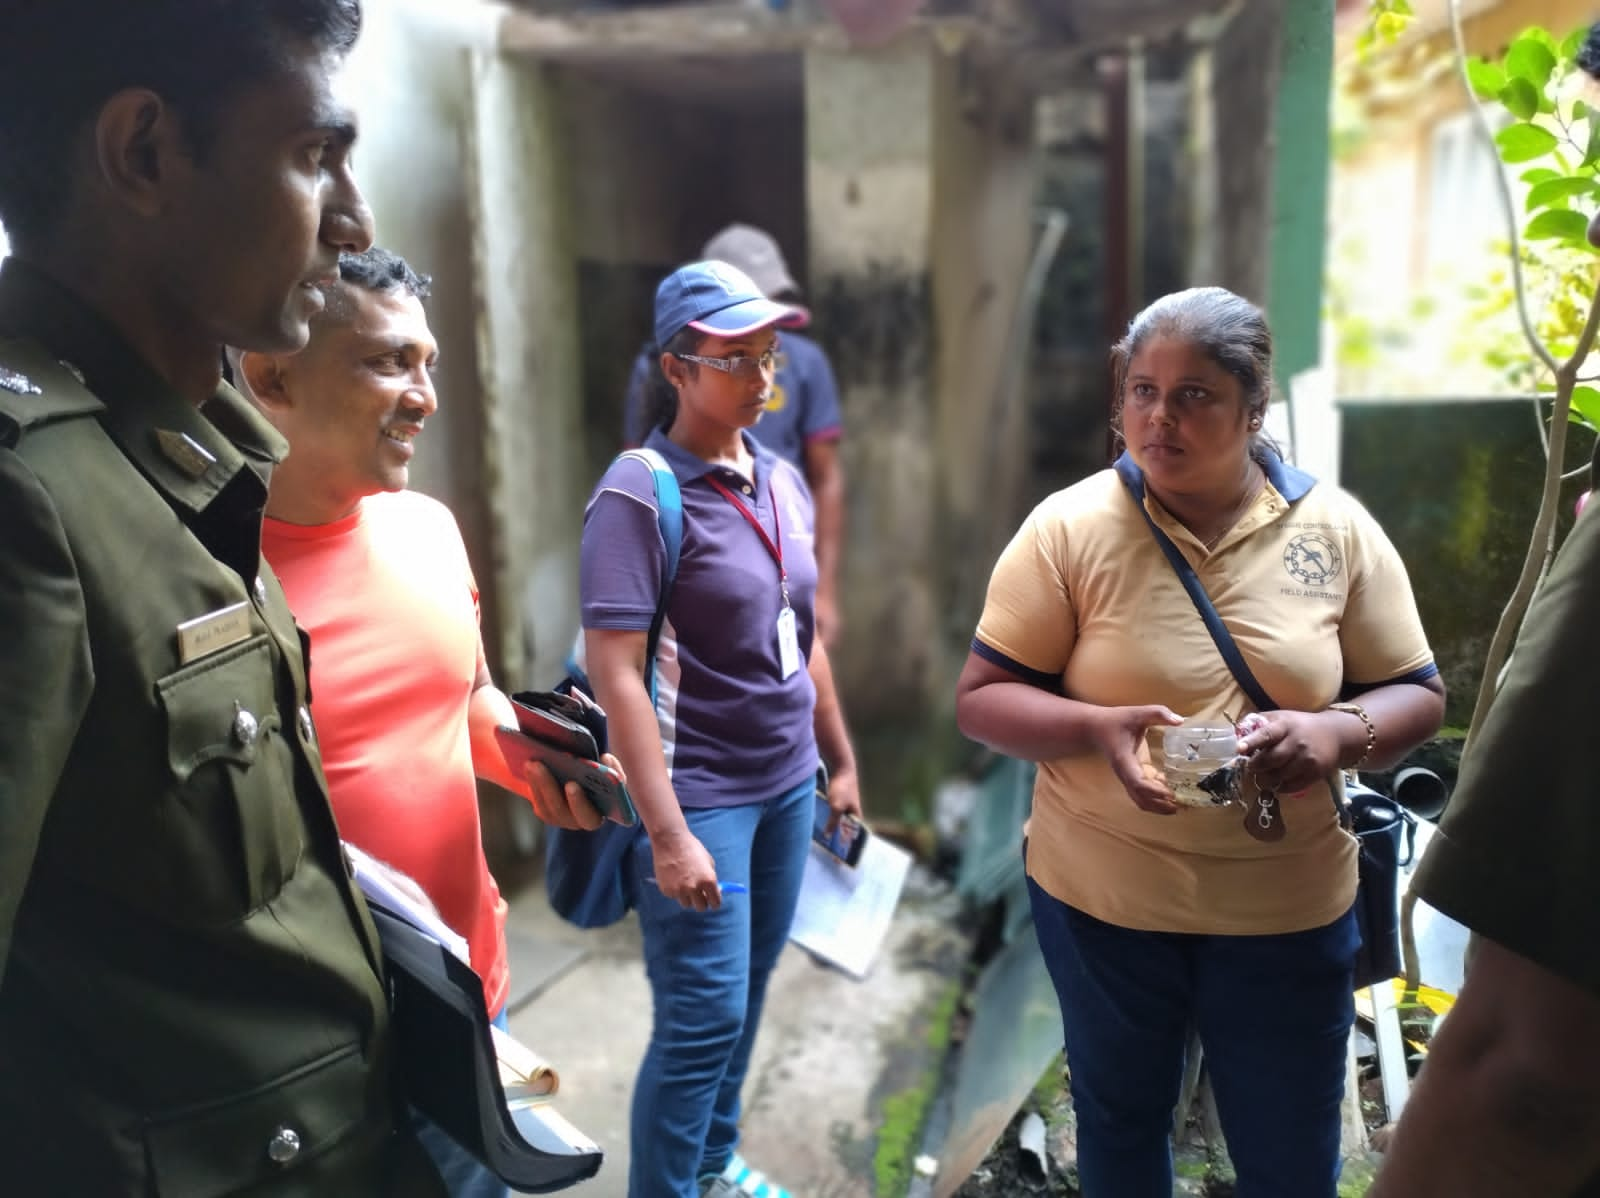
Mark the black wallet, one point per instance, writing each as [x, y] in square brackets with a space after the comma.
[572, 722]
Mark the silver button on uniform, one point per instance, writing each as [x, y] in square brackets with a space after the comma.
[306, 728]
[284, 1146]
[245, 728]
[261, 591]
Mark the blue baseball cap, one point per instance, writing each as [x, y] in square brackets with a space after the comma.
[715, 298]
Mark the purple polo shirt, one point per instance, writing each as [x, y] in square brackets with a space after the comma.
[733, 729]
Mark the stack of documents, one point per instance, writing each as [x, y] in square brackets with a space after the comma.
[399, 893]
[524, 1073]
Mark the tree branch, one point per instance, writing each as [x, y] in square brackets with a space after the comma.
[1506, 204]
[1539, 543]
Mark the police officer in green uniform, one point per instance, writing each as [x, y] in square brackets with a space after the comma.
[191, 998]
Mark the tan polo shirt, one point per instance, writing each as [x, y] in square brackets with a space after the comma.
[1318, 601]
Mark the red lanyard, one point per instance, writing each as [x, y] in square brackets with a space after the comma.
[775, 548]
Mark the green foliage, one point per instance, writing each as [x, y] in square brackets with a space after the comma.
[905, 1112]
[1555, 136]
[1386, 21]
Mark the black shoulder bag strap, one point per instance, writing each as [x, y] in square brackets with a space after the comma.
[1134, 481]
[1264, 816]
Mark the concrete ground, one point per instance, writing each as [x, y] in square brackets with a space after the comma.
[831, 1053]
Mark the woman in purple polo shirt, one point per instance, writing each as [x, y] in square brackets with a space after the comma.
[722, 766]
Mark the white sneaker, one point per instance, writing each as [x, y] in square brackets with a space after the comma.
[739, 1180]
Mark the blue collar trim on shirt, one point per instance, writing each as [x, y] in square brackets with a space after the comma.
[1286, 480]
[687, 467]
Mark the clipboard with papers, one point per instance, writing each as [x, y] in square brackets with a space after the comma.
[844, 912]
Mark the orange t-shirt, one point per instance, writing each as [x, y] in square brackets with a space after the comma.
[392, 608]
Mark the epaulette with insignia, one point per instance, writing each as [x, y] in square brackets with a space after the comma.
[36, 389]
[17, 383]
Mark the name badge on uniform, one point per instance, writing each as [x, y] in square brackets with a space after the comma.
[788, 643]
[208, 634]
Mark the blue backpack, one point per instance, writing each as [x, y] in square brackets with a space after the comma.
[588, 875]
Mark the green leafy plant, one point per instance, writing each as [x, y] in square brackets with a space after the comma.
[1386, 21]
[1553, 141]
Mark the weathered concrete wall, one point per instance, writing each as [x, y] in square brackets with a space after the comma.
[528, 344]
[921, 186]
[870, 138]
[985, 185]
[409, 79]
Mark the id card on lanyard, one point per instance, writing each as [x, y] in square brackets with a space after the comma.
[788, 631]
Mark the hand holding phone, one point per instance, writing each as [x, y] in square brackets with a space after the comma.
[600, 784]
[848, 838]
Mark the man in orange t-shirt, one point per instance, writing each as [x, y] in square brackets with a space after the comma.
[378, 576]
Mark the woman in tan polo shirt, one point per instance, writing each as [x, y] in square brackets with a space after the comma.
[1155, 917]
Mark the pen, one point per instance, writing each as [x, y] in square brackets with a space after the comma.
[724, 887]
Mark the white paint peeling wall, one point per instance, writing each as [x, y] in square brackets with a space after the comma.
[869, 143]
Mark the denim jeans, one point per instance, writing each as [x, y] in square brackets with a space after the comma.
[464, 1175]
[708, 977]
[1273, 1014]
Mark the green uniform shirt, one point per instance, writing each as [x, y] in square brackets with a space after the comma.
[191, 999]
[1517, 858]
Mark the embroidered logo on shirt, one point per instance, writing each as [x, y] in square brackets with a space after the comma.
[1312, 560]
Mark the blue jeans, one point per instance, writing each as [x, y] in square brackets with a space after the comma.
[464, 1175]
[1273, 1014]
[708, 977]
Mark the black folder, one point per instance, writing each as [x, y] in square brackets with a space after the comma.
[447, 1060]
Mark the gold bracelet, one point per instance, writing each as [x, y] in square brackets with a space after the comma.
[1360, 713]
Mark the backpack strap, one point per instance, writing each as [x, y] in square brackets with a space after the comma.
[669, 513]
[669, 516]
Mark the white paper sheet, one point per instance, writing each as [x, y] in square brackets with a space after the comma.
[844, 913]
[398, 892]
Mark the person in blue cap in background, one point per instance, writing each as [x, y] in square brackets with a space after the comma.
[800, 420]
[723, 765]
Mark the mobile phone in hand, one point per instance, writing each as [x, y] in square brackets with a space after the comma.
[600, 784]
[848, 839]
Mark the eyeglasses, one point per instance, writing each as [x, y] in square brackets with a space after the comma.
[739, 366]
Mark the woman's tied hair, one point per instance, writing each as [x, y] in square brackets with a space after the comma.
[660, 407]
[1227, 328]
